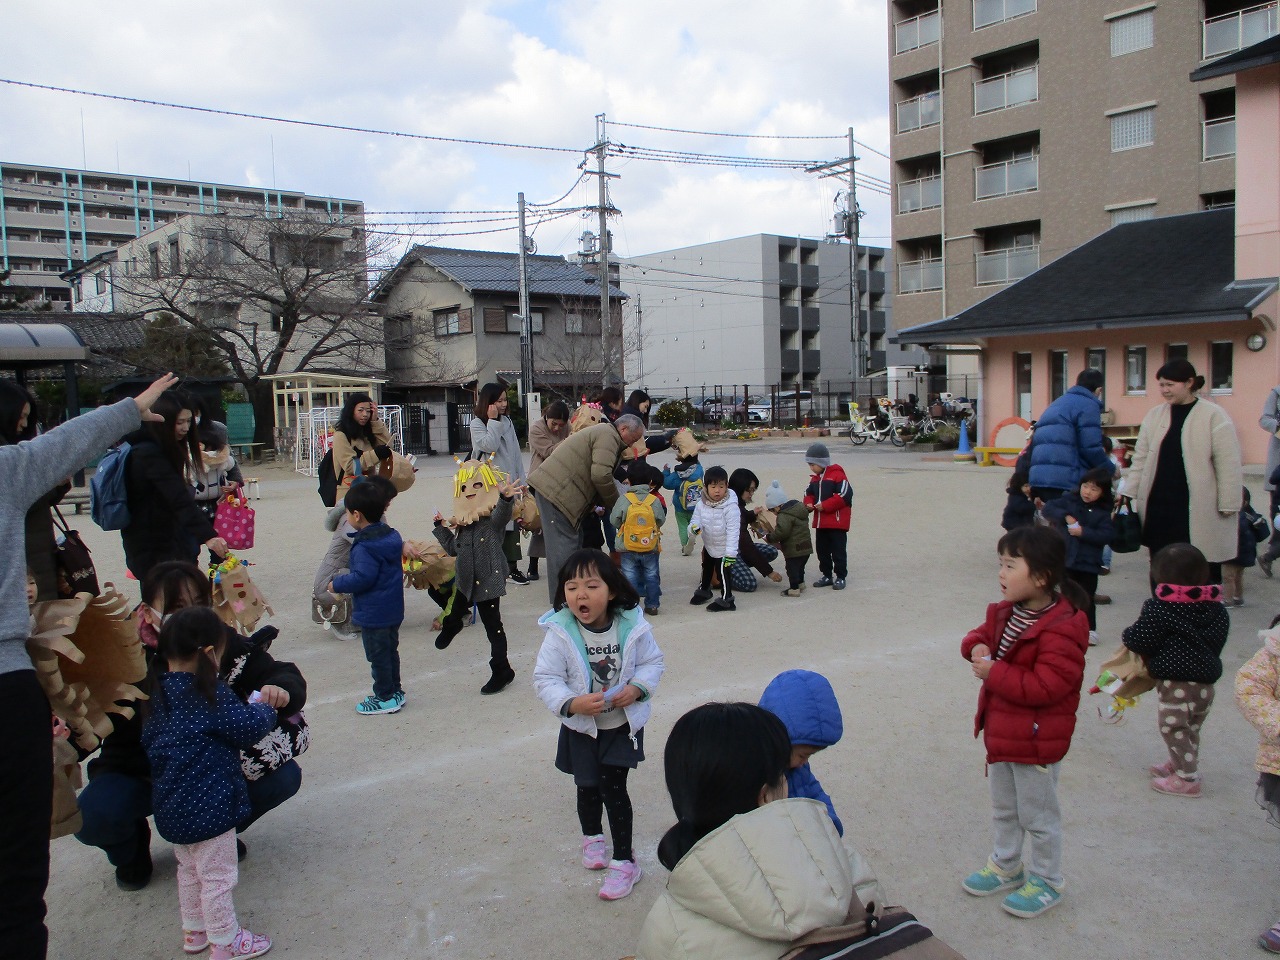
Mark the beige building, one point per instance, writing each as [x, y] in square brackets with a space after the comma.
[52, 218]
[1023, 128]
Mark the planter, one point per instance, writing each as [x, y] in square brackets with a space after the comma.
[926, 447]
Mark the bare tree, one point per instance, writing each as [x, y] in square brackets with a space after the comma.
[576, 355]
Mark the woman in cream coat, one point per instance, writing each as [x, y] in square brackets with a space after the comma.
[751, 871]
[1186, 484]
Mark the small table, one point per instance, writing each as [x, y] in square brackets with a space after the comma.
[253, 454]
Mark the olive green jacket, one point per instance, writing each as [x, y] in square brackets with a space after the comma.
[580, 471]
[792, 531]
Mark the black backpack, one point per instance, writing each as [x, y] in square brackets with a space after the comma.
[328, 488]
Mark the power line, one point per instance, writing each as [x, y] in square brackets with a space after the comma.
[710, 133]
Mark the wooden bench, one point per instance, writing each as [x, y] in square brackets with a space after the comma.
[985, 454]
[77, 497]
[252, 451]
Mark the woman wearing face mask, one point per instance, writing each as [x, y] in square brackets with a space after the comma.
[165, 523]
[360, 435]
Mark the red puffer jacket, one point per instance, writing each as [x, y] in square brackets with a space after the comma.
[1027, 704]
[831, 497]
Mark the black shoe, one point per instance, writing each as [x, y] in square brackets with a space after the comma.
[1264, 564]
[502, 676]
[650, 611]
[823, 582]
[241, 850]
[532, 575]
[700, 597]
[518, 578]
[447, 634]
[721, 603]
[137, 874]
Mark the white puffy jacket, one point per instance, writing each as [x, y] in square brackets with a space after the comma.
[719, 525]
[750, 888]
[562, 672]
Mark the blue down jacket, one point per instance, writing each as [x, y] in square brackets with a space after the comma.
[807, 706]
[376, 580]
[1067, 441]
[1084, 553]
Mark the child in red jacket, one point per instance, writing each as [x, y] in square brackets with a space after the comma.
[1029, 655]
[830, 499]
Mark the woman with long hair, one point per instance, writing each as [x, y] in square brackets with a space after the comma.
[18, 423]
[545, 435]
[360, 434]
[493, 434]
[165, 523]
[1186, 474]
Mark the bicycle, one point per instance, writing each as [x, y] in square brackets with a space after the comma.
[861, 429]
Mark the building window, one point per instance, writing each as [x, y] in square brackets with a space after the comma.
[1022, 384]
[175, 263]
[1132, 129]
[99, 283]
[277, 321]
[446, 322]
[1175, 351]
[153, 260]
[987, 12]
[514, 324]
[917, 32]
[1095, 358]
[1135, 370]
[1220, 366]
[1132, 213]
[495, 320]
[1134, 32]
[1216, 201]
[1058, 373]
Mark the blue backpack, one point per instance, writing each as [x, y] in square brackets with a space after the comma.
[108, 496]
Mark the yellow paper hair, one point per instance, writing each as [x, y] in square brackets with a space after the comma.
[490, 476]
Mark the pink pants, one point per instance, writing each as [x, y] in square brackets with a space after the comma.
[207, 873]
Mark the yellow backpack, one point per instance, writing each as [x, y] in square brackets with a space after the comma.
[640, 531]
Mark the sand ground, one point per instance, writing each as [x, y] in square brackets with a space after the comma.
[445, 830]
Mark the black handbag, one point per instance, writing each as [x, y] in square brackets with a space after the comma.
[76, 573]
[1127, 525]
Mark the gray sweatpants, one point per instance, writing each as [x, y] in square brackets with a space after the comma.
[561, 538]
[1024, 799]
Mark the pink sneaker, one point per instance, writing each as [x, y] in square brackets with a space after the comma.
[594, 852]
[194, 941]
[622, 876]
[242, 946]
[1175, 786]
[1162, 769]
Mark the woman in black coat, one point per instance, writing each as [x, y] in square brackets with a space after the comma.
[18, 423]
[165, 523]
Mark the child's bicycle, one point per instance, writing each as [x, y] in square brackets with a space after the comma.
[887, 426]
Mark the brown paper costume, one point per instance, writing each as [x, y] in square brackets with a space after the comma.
[587, 415]
[475, 491]
[236, 598]
[434, 568]
[684, 444]
[525, 512]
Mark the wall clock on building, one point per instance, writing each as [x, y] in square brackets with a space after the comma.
[1255, 342]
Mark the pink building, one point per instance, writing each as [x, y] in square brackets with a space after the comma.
[1200, 285]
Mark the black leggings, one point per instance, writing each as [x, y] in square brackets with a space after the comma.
[490, 616]
[610, 795]
[1088, 582]
[710, 565]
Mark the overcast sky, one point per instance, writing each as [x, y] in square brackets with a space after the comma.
[522, 71]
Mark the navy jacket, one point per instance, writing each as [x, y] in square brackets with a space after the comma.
[1067, 441]
[806, 704]
[197, 789]
[1254, 529]
[375, 579]
[1084, 553]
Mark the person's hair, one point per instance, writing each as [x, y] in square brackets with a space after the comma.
[180, 454]
[1181, 369]
[182, 637]
[608, 397]
[715, 474]
[1107, 443]
[1044, 552]
[1019, 479]
[739, 480]
[176, 583]
[630, 421]
[384, 488]
[367, 499]
[1091, 379]
[12, 399]
[1100, 477]
[1246, 500]
[589, 562]
[638, 473]
[347, 424]
[1181, 564]
[489, 393]
[556, 410]
[638, 397]
[718, 758]
[656, 477]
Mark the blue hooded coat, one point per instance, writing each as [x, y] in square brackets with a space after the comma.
[1067, 442]
[807, 706]
[376, 578]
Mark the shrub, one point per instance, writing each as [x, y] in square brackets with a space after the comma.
[676, 413]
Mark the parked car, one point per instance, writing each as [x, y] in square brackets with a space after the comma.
[724, 408]
[759, 409]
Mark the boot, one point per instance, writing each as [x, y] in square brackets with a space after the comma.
[452, 627]
[137, 873]
[501, 675]
[533, 569]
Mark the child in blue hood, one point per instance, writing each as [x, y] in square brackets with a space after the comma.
[807, 706]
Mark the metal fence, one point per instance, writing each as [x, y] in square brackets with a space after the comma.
[782, 405]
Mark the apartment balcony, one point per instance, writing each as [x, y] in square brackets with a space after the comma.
[1218, 138]
[1006, 266]
[1007, 178]
[871, 283]
[919, 112]
[877, 359]
[1235, 31]
[918, 276]
[988, 12]
[873, 322]
[790, 318]
[812, 362]
[917, 32]
[1007, 90]
[789, 274]
[922, 194]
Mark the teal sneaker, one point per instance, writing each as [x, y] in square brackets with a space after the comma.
[371, 705]
[990, 880]
[1033, 898]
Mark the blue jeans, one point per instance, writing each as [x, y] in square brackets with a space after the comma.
[382, 650]
[1106, 557]
[641, 571]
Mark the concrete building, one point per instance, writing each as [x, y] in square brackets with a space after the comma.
[1023, 128]
[757, 310]
[52, 218]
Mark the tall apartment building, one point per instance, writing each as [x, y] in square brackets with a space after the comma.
[1023, 128]
[52, 218]
[762, 309]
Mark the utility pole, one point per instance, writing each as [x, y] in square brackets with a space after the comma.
[601, 150]
[640, 339]
[847, 226]
[526, 320]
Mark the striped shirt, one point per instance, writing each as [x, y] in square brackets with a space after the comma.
[1020, 621]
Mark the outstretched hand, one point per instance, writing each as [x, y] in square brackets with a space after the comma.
[149, 396]
[506, 489]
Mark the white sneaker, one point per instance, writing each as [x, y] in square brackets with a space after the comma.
[1093, 638]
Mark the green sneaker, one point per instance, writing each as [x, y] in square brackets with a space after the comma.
[990, 880]
[1033, 898]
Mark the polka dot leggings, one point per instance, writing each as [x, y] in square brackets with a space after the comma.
[610, 795]
[1183, 708]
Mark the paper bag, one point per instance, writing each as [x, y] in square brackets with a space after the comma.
[236, 599]
[435, 568]
[1132, 669]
